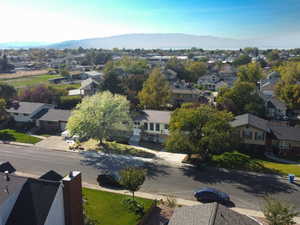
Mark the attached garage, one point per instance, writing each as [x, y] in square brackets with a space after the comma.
[55, 120]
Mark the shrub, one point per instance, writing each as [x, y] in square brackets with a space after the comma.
[68, 102]
[133, 206]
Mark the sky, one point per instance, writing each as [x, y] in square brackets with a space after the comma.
[59, 20]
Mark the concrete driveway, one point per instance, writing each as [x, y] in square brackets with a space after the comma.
[54, 142]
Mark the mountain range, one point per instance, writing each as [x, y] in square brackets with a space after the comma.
[167, 41]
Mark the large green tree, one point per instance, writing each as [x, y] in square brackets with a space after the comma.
[156, 92]
[7, 92]
[242, 60]
[241, 98]
[195, 70]
[251, 72]
[288, 88]
[199, 130]
[100, 116]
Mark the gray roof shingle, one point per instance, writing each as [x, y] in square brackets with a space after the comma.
[249, 119]
[154, 116]
[26, 107]
[55, 115]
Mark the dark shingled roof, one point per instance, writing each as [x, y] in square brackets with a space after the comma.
[55, 115]
[26, 107]
[249, 119]
[6, 166]
[286, 133]
[209, 214]
[154, 116]
[52, 176]
[33, 203]
[14, 184]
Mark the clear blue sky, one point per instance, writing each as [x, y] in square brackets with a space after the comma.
[58, 20]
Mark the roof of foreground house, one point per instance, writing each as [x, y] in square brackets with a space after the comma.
[55, 115]
[154, 116]
[25, 107]
[209, 214]
[249, 119]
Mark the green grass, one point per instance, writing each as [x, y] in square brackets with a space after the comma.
[239, 161]
[30, 81]
[106, 208]
[12, 135]
[117, 148]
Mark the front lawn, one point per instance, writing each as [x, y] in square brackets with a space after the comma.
[12, 135]
[107, 209]
[240, 161]
[116, 148]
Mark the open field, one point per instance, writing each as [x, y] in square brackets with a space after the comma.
[106, 208]
[30, 80]
[22, 74]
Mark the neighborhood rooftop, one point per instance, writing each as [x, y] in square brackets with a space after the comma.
[154, 116]
[56, 115]
[25, 107]
[252, 120]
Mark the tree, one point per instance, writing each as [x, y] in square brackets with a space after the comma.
[251, 72]
[65, 73]
[242, 60]
[241, 98]
[100, 116]
[7, 92]
[156, 92]
[278, 213]
[40, 93]
[177, 66]
[200, 130]
[288, 88]
[195, 70]
[3, 113]
[273, 55]
[132, 179]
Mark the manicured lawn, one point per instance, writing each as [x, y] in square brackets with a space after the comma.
[239, 161]
[30, 81]
[106, 208]
[12, 135]
[117, 148]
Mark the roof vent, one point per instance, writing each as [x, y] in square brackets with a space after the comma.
[6, 176]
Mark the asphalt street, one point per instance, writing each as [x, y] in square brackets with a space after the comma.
[246, 190]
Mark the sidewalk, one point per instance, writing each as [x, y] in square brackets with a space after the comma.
[180, 201]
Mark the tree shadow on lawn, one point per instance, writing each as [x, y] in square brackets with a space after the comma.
[5, 136]
[259, 184]
[114, 163]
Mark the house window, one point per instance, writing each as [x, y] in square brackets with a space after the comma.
[137, 123]
[157, 127]
[284, 145]
[151, 126]
[25, 114]
[259, 136]
[166, 126]
[146, 126]
[247, 134]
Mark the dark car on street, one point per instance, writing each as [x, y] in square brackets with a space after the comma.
[206, 195]
[109, 180]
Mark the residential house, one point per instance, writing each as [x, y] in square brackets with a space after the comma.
[209, 214]
[209, 81]
[272, 136]
[267, 86]
[44, 201]
[26, 112]
[252, 129]
[88, 87]
[275, 108]
[54, 120]
[94, 75]
[183, 95]
[151, 125]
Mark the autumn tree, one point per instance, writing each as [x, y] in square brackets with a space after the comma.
[199, 130]
[156, 92]
[251, 72]
[7, 92]
[100, 116]
[195, 70]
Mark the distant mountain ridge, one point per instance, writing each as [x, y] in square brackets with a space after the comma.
[175, 41]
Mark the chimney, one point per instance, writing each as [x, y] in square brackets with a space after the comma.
[73, 198]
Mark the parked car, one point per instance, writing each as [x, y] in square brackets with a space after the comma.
[211, 195]
[109, 179]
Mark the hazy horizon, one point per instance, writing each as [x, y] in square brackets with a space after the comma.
[60, 20]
